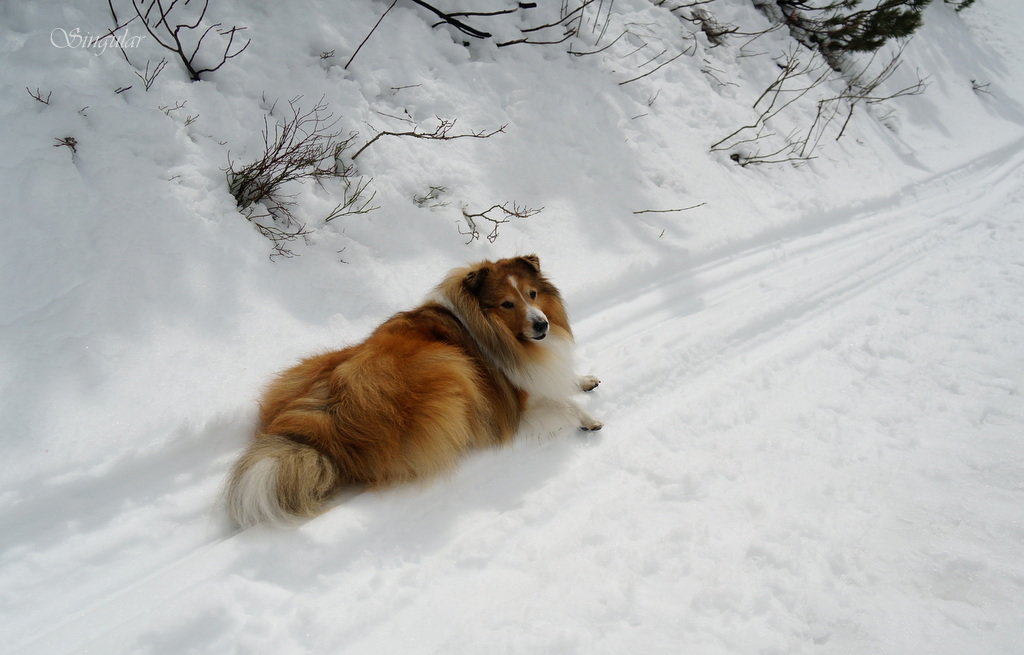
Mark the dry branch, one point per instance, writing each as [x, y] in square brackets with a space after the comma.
[669, 211]
[440, 133]
[501, 214]
[454, 22]
[69, 142]
[38, 95]
[355, 200]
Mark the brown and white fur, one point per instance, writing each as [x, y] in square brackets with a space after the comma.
[458, 372]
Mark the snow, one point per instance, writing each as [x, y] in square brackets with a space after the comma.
[811, 383]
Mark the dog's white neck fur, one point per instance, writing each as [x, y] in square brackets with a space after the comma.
[550, 375]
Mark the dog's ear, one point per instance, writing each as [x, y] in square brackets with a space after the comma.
[475, 279]
[533, 261]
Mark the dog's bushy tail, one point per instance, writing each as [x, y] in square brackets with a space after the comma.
[277, 480]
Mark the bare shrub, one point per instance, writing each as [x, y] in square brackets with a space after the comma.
[184, 39]
[801, 73]
[302, 146]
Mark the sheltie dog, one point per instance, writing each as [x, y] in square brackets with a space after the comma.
[458, 372]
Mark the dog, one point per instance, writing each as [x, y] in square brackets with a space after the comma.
[456, 373]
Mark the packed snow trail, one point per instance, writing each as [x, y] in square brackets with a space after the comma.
[812, 442]
[711, 313]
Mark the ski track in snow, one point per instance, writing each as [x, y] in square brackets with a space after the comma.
[849, 257]
[675, 510]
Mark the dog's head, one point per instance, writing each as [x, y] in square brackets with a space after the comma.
[514, 293]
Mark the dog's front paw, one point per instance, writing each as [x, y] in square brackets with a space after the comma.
[589, 424]
[588, 383]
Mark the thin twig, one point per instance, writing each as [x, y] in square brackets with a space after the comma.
[38, 95]
[149, 79]
[577, 53]
[669, 211]
[367, 38]
[654, 70]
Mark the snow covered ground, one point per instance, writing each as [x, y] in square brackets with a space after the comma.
[811, 383]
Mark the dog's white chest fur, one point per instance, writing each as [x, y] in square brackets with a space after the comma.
[549, 374]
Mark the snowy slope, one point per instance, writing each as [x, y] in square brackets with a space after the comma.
[811, 384]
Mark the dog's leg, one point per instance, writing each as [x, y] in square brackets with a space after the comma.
[564, 407]
[587, 422]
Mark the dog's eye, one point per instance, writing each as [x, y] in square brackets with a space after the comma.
[508, 304]
[533, 295]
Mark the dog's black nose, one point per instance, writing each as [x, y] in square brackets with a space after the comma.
[540, 327]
